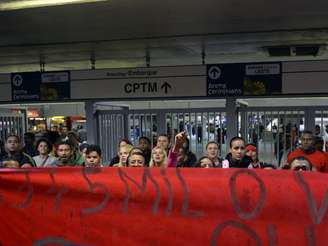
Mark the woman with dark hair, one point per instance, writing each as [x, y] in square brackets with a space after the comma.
[186, 158]
[145, 146]
[44, 158]
[236, 158]
[175, 153]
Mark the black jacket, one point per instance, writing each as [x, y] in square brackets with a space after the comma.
[243, 163]
[21, 157]
[189, 162]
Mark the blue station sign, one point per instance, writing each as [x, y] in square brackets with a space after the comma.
[40, 86]
[244, 79]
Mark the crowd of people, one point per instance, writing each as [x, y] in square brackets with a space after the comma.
[65, 149]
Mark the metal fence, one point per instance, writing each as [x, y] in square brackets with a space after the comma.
[202, 125]
[12, 123]
[321, 120]
[109, 132]
[275, 131]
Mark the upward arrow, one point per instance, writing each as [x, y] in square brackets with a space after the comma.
[166, 86]
[214, 72]
[17, 80]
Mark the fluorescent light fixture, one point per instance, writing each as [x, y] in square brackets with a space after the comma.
[25, 4]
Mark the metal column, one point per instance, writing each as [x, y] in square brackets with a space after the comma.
[232, 120]
[243, 124]
[309, 119]
[161, 122]
[91, 122]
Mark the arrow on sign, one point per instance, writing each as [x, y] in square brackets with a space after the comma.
[166, 86]
[17, 80]
[214, 72]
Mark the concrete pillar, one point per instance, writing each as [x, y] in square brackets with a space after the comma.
[309, 123]
[161, 128]
[243, 124]
[232, 120]
[126, 123]
[91, 122]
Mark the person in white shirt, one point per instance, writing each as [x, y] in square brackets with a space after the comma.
[325, 139]
[44, 158]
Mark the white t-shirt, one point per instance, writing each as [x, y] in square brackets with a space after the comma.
[325, 139]
[41, 162]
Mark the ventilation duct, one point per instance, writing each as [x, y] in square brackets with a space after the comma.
[294, 50]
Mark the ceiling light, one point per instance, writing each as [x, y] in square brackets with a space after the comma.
[25, 4]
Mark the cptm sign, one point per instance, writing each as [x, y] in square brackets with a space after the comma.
[147, 87]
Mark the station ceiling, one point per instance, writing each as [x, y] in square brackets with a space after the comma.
[121, 33]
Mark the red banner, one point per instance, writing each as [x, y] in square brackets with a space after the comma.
[132, 206]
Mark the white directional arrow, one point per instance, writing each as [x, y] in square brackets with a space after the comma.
[17, 80]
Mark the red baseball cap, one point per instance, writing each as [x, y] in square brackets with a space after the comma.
[250, 148]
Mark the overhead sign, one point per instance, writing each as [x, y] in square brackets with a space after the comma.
[242, 79]
[215, 80]
[181, 206]
[164, 82]
[150, 87]
[55, 77]
[263, 69]
[224, 80]
[37, 86]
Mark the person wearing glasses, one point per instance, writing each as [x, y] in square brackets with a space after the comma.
[308, 150]
[301, 164]
[236, 158]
